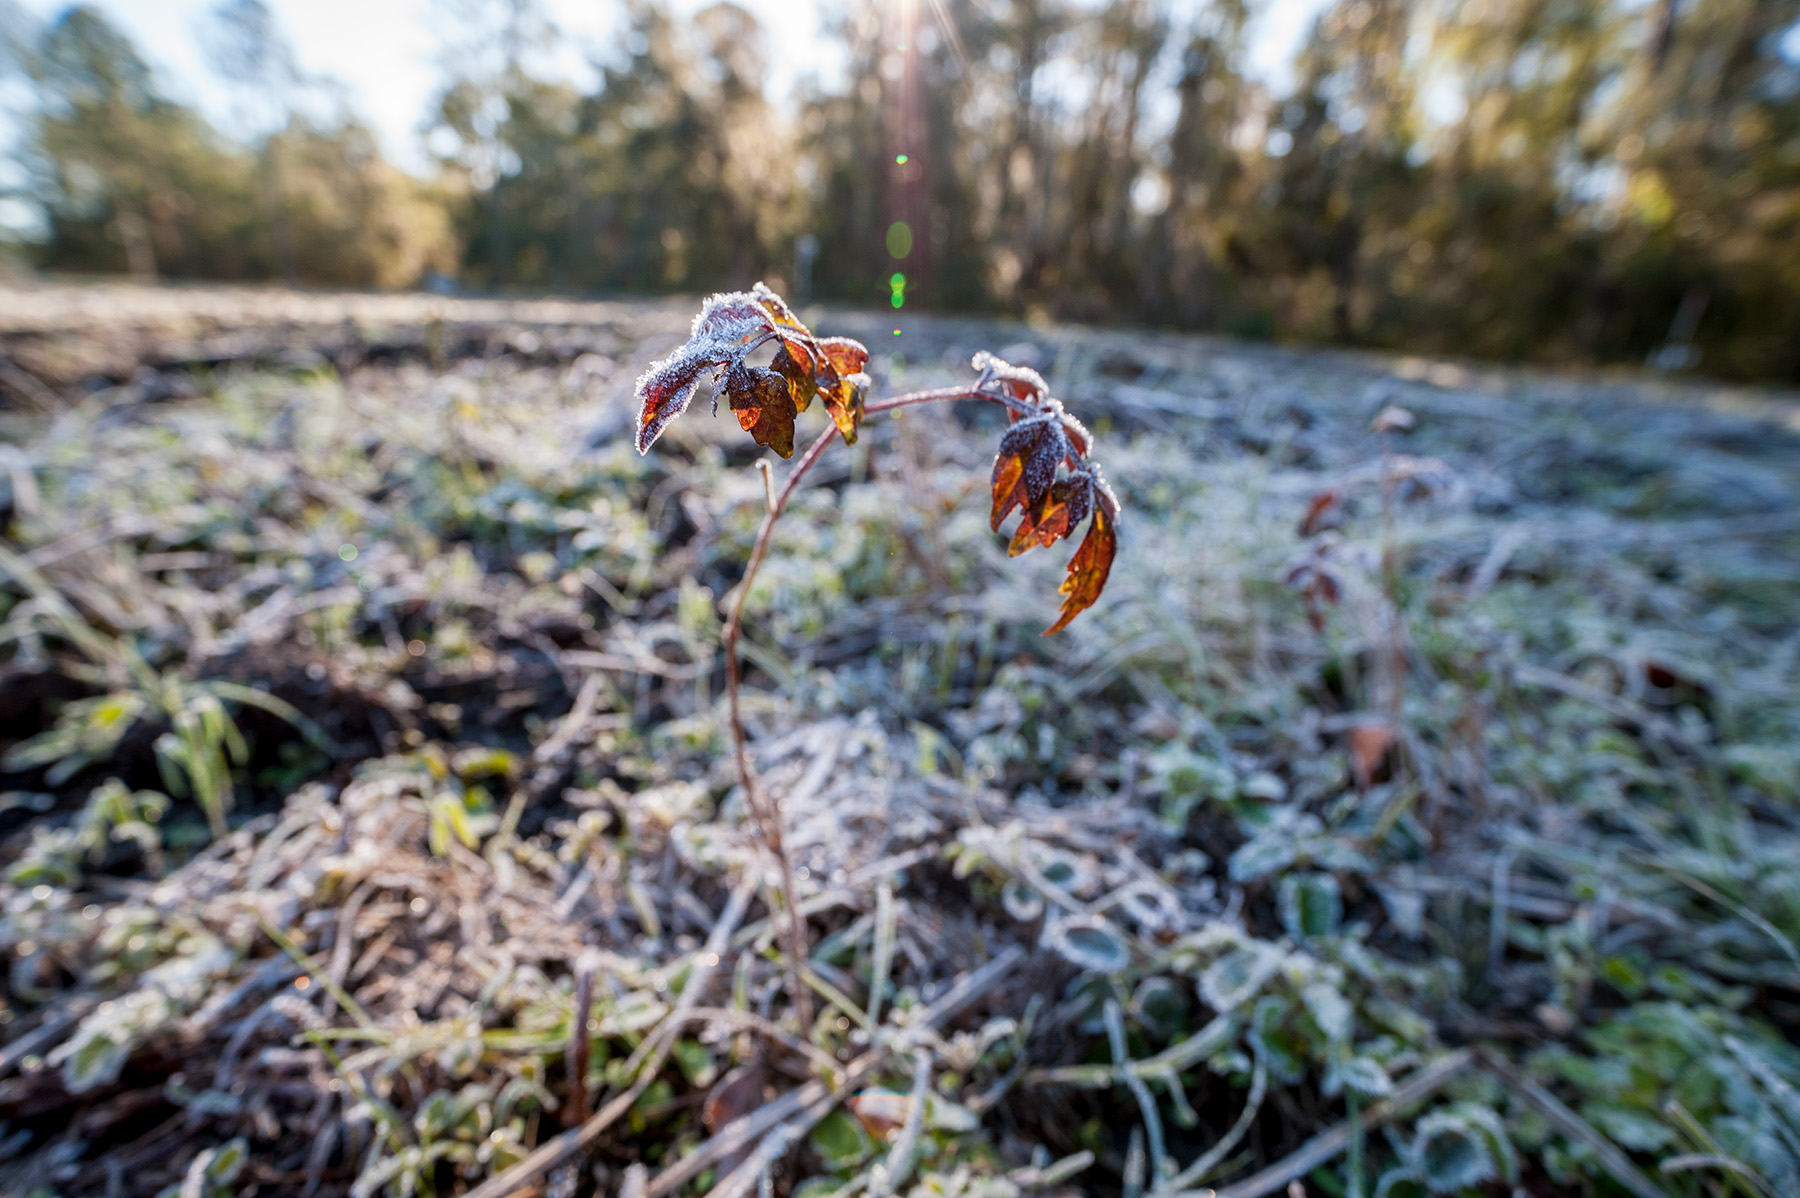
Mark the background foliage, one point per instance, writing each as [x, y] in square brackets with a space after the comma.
[1570, 180]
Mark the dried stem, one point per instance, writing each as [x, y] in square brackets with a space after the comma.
[763, 809]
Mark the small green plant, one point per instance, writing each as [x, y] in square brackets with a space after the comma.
[1042, 469]
[203, 744]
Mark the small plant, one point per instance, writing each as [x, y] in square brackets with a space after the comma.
[1042, 468]
[195, 756]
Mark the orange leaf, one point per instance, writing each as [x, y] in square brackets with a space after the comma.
[764, 406]
[1369, 744]
[847, 385]
[1025, 467]
[1051, 520]
[794, 363]
[1089, 567]
[778, 310]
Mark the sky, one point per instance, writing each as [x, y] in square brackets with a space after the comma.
[384, 52]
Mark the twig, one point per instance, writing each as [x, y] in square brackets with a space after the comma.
[552, 1153]
[884, 947]
[1140, 1090]
[580, 1043]
[762, 810]
[816, 1098]
[589, 660]
[1623, 710]
[774, 1146]
[898, 1166]
[1055, 1173]
[1209, 1160]
[1325, 1146]
[71, 1011]
[1216, 1035]
[749, 1021]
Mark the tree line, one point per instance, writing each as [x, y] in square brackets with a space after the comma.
[1557, 180]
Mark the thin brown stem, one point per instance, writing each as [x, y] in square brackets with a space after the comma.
[763, 809]
[940, 395]
[765, 812]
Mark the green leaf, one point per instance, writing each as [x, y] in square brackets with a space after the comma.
[841, 1142]
[1236, 977]
[1312, 905]
[1449, 1155]
[1090, 942]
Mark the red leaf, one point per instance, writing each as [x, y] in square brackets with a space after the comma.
[664, 392]
[1089, 567]
[1316, 511]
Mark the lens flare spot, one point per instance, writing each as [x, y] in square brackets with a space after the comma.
[899, 239]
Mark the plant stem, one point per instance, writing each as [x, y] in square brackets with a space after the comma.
[763, 809]
[940, 395]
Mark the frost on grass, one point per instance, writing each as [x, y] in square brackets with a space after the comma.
[1478, 725]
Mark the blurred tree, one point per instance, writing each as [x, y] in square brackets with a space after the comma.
[120, 166]
[248, 49]
[1341, 176]
[1570, 180]
[129, 180]
[1195, 199]
[487, 95]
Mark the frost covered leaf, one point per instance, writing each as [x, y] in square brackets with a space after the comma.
[1161, 1006]
[1311, 905]
[728, 327]
[764, 399]
[1025, 468]
[841, 1141]
[1362, 1074]
[1330, 1010]
[1449, 1154]
[763, 404]
[1022, 902]
[1238, 975]
[1261, 856]
[1088, 941]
